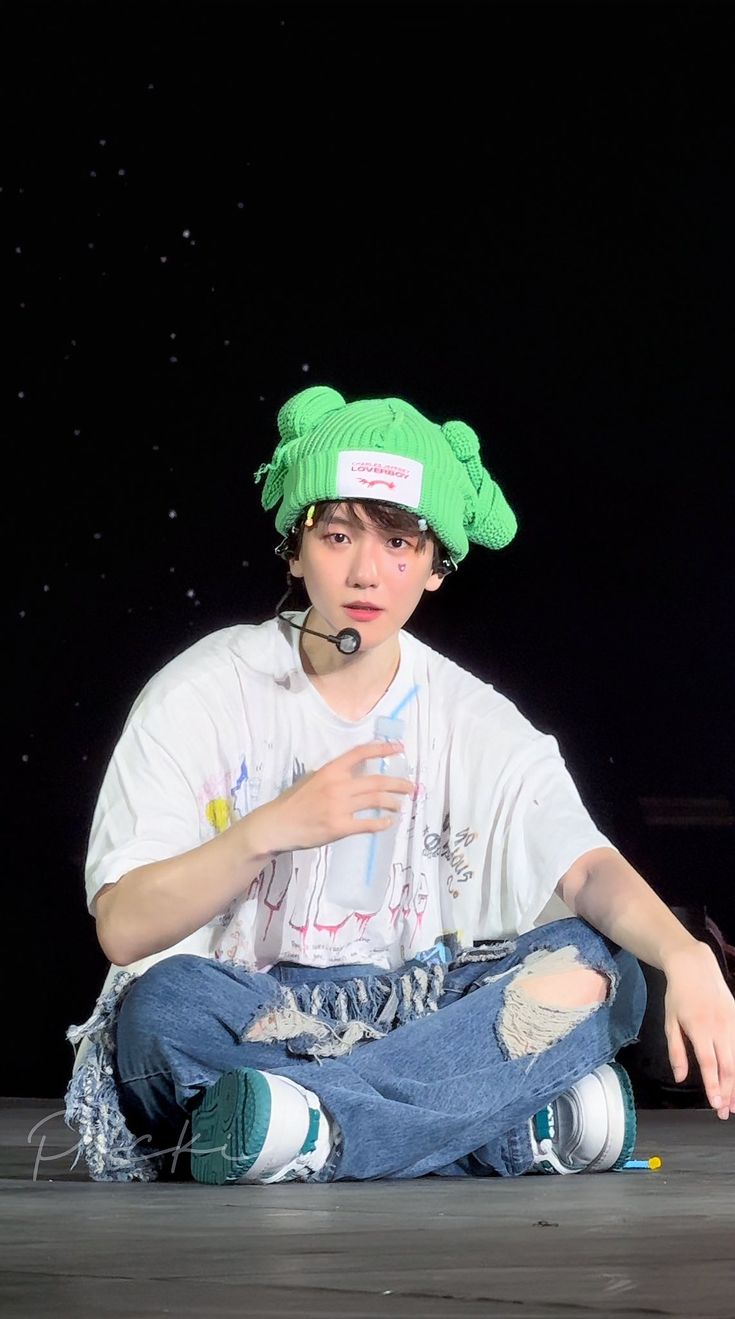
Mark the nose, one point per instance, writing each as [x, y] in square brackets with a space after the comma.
[363, 567]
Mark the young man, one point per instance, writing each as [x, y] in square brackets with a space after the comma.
[283, 1032]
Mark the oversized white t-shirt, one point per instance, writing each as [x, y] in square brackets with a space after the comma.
[495, 822]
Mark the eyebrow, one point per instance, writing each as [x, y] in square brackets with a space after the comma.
[345, 522]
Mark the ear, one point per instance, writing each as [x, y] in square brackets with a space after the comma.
[295, 568]
[434, 582]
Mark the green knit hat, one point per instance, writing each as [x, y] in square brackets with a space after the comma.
[383, 449]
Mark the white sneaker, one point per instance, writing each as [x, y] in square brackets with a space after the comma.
[589, 1128]
[256, 1127]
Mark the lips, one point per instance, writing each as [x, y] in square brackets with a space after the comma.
[360, 604]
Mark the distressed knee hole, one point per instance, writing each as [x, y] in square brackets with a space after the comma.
[559, 979]
[538, 1010]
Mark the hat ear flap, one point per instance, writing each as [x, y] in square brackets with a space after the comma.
[494, 524]
[465, 446]
[300, 414]
[297, 418]
[489, 519]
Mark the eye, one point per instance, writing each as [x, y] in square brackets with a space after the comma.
[340, 537]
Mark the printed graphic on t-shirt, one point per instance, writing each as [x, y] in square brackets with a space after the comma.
[448, 844]
[287, 905]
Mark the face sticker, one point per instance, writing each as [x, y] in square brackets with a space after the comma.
[402, 567]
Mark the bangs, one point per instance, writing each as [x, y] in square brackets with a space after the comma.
[367, 513]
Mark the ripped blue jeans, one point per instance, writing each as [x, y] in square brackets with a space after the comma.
[426, 1070]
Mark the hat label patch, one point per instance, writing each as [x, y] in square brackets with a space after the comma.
[368, 474]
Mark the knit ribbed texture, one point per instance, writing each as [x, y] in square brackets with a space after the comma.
[452, 490]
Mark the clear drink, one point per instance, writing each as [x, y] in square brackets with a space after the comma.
[359, 866]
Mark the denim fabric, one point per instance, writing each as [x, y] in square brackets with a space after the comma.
[439, 1093]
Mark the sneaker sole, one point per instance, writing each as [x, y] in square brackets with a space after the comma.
[623, 1134]
[232, 1138]
[229, 1127]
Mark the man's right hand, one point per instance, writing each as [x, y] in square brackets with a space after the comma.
[319, 808]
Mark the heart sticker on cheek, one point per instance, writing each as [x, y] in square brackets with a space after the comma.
[401, 567]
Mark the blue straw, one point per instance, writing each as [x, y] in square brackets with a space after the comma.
[408, 697]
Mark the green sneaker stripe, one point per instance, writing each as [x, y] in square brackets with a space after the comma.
[544, 1124]
[631, 1118]
[313, 1132]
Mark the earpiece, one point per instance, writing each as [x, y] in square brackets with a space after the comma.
[285, 550]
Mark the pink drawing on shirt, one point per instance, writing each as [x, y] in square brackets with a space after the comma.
[420, 901]
[273, 907]
[401, 888]
[255, 886]
[330, 926]
[234, 935]
[302, 930]
[230, 946]
[322, 919]
[332, 929]
[402, 902]
[362, 918]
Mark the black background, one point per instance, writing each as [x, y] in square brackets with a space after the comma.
[518, 215]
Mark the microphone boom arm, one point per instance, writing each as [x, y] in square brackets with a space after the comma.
[347, 641]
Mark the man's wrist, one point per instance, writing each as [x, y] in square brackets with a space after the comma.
[681, 951]
[258, 826]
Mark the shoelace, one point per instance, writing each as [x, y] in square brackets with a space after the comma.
[545, 1144]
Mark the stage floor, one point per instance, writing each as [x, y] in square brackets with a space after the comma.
[629, 1244]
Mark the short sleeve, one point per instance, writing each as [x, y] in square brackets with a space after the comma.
[146, 810]
[541, 828]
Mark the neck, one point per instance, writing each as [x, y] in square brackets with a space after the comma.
[361, 673]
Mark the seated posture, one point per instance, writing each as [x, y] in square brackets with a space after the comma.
[318, 862]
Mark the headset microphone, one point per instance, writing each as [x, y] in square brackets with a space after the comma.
[348, 641]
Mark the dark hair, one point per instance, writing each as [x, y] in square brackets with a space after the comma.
[387, 517]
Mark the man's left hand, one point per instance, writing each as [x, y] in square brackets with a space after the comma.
[700, 1007]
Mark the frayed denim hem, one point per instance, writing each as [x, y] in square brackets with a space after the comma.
[92, 1102]
[328, 1019]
